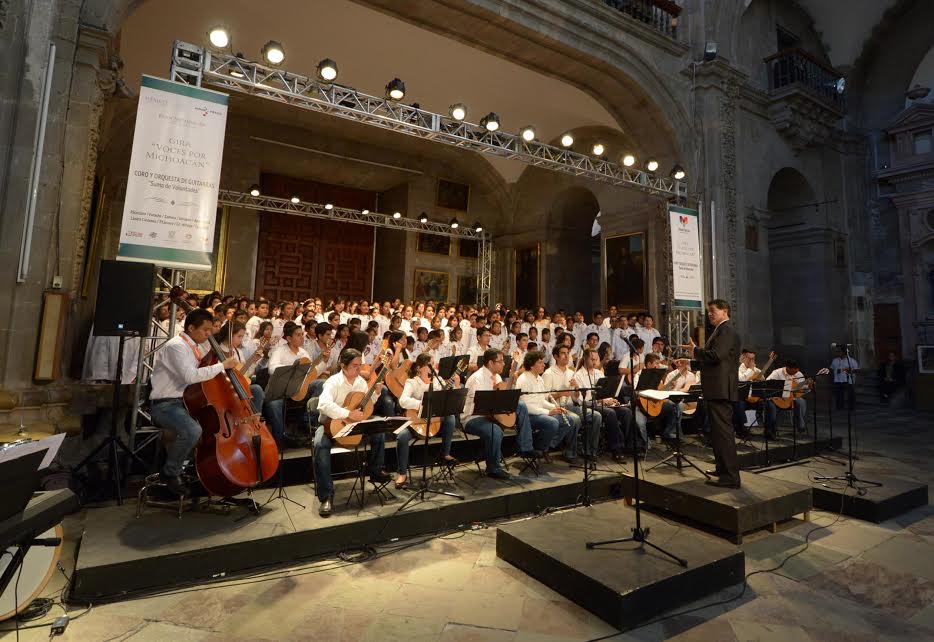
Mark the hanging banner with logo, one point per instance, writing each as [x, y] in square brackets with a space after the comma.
[688, 276]
[175, 168]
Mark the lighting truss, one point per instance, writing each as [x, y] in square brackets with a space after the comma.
[194, 65]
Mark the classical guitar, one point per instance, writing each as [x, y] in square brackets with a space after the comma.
[418, 424]
[653, 407]
[759, 377]
[362, 401]
[508, 420]
[246, 367]
[785, 403]
[311, 375]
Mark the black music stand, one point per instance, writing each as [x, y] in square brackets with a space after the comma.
[677, 454]
[113, 443]
[764, 390]
[366, 429]
[447, 366]
[283, 383]
[436, 403]
[499, 402]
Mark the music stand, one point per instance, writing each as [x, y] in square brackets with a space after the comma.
[366, 429]
[447, 366]
[497, 402]
[283, 383]
[436, 403]
[765, 390]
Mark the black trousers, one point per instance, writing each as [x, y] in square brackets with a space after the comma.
[720, 419]
[843, 395]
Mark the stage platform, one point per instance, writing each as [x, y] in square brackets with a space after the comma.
[761, 502]
[752, 453]
[894, 497]
[620, 583]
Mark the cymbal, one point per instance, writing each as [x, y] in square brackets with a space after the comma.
[15, 433]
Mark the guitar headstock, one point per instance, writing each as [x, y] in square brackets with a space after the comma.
[180, 298]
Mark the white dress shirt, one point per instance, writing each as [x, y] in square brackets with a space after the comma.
[587, 380]
[336, 389]
[602, 332]
[177, 368]
[252, 326]
[315, 350]
[782, 375]
[557, 379]
[537, 402]
[283, 356]
[414, 392]
[497, 340]
[746, 374]
[620, 348]
[648, 336]
[482, 379]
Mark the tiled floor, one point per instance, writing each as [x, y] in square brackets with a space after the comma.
[856, 581]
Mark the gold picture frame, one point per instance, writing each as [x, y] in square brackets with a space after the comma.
[527, 276]
[625, 271]
[431, 285]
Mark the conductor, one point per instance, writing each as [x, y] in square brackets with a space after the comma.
[719, 382]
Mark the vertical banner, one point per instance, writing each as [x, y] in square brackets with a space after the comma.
[175, 168]
[687, 273]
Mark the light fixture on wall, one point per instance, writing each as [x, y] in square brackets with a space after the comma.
[254, 190]
[567, 140]
[423, 218]
[454, 223]
[527, 133]
[327, 70]
[651, 165]
[273, 53]
[490, 122]
[677, 172]
[219, 37]
[395, 89]
[295, 199]
[598, 149]
[458, 111]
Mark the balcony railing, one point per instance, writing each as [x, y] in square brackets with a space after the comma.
[661, 15]
[797, 68]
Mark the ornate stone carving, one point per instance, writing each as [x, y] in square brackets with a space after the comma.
[728, 101]
[801, 119]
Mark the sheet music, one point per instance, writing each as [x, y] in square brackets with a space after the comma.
[346, 430]
[661, 395]
[49, 444]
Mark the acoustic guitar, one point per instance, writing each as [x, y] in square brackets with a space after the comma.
[418, 424]
[311, 375]
[362, 401]
[653, 407]
[508, 420]
[246, 367]
[786, 403]
[762, 373]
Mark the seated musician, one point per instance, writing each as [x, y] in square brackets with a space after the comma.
[560, 377]
[637, 358]
[747, 372]
[490, 433]
[231, 341]
[616, 418]
[321, 340]
[794, 380]
[387, 404]
[435, 347]
[286, 355]
[174, 370]
[669, 419]
[411, 399]
[478, 349]
[331, 406]
[552, 424]
[680, 380]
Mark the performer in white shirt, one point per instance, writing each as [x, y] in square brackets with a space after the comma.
[411, 399]
[230, 339]
[669, 418]
[497, 335]
[176, 369]
[286, 354]
[559, 376]
[603, 332]
[331, 406]
[616, 418]
[618, 337]
[611, 313]
[794, 380]
[477, 350]
[552, 422]
[844, 369]
[648, 332]
[262, 312]
[321, 341]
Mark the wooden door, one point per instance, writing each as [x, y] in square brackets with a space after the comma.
[887, 331]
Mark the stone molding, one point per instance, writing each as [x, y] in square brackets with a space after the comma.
[801, 119]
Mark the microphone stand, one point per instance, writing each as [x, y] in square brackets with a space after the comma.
[639, 534]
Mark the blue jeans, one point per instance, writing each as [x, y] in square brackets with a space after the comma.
[171, 415]
[544, 430]
[523, 429]
[491, 435]
[324, 485]
[386, 405]
[669, 421]
[771, 414]
[274, 411]
[569, 426]
[404, 442]
[258, 396]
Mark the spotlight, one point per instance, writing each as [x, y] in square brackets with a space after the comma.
[628, 159]
[236, 74]
[651, 165]
[598, 149]
[477, 227]
[423, 218]
[395, 89]
[490, 122]
[219, 37]
[397, 215]
[273, 53]
[458, 111]
[365, 212]
[710, 51]
[327, 70]
[567, 140]
[328, 206]
[454, 223]
[254, 190]
[527, 133]
[677, 172]
[295, 199]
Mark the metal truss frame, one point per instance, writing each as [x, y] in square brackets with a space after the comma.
[681, 322]
[194, 65]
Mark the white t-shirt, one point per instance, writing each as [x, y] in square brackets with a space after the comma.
[840, 365]
[782, 375]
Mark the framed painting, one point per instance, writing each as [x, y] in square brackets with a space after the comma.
[527, 272]
[926, 359]
[434, 244]
[431, 285]
[468, 248]
[624, 269]
[453, 196]
[467, 289]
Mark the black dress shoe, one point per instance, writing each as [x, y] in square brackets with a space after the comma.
[497, 474]
[713, 472]
[723, 483]
[175, 485]
[325, 508]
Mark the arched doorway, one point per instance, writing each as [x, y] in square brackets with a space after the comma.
[567, 251]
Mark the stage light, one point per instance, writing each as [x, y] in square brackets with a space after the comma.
[628, 159]
[454, 223]
[254, 190]
[273, 53]
[327, 70]
[235, 73]
[397, 215]
[477, 227]
[490, 122]
[328, 206]
[567, 140]
[651, 165]
[423, 218]
[598, 149]
[458, 111]
[365, 212]
[710, 51]
[295, 199]
[677, 172]
[219, 37]
[395, 89]
[527, 133]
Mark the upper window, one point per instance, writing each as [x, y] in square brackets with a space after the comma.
[922, 143]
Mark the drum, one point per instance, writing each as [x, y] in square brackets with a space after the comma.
[38, 567]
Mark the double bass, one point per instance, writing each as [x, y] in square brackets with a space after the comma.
[236, 451]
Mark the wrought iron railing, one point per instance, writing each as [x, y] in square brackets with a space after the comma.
[661, 15]
[796, 67]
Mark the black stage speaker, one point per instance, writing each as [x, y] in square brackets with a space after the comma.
[124, 298]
